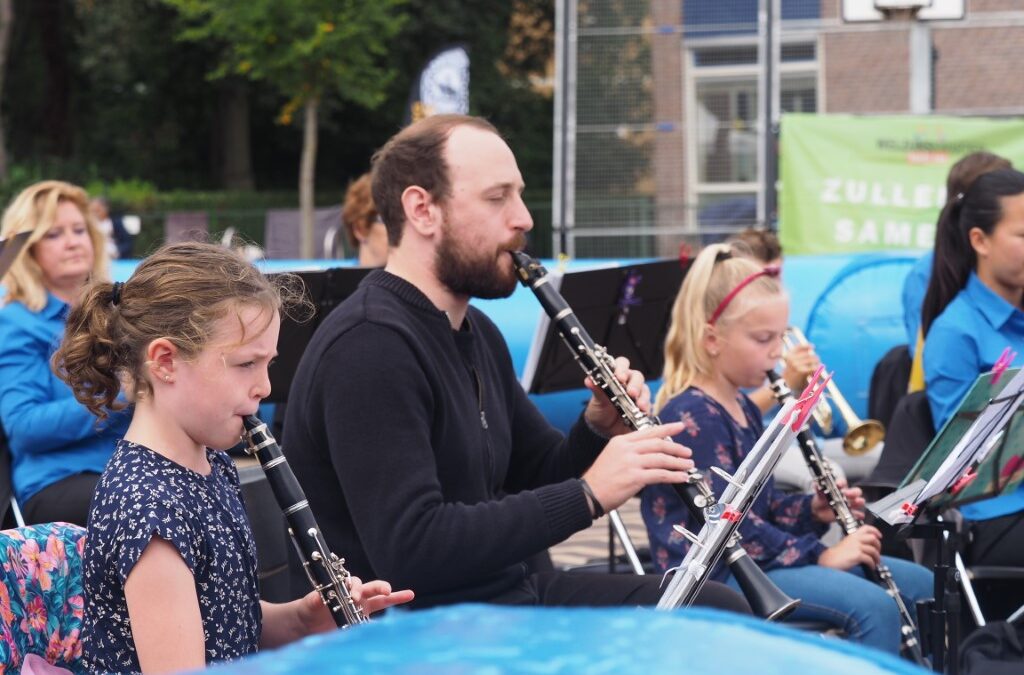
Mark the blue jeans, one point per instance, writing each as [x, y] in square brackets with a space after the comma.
[848, 601]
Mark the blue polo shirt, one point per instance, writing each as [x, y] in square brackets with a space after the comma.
[51, 435]
[963, 342]
[915, 286]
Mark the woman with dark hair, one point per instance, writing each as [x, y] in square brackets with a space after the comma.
[972, 312]
[961, 177]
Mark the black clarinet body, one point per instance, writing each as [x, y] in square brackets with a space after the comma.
[825, 481]
[325, 570]
[765, 598]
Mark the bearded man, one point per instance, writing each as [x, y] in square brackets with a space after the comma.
[421, 455]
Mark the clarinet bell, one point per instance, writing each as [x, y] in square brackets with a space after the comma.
[766, 599]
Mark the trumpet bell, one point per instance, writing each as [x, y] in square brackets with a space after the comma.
[861, 435]
[861, 438]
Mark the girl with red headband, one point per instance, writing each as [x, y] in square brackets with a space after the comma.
[727, 327]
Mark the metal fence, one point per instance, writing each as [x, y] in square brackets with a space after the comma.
[665, 110]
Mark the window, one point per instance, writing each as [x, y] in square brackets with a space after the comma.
[723, 104]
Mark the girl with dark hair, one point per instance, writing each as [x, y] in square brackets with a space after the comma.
[170, 560]
[972, 312]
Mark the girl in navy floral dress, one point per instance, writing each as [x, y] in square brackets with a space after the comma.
[727, 327]
[170, 561]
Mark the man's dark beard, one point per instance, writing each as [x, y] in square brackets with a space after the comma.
[483, 277]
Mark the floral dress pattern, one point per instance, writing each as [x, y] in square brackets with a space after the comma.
[142, 495]
[41, 595]
[778, 530]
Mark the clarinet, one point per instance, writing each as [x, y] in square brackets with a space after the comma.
[825, 480]
[765, 598]
[741, 490]
[325, 570]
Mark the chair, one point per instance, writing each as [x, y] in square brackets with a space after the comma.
[889, 384]
[909, 433]
[41, 597]
[186, 226]
[281, 230]
[10, 512]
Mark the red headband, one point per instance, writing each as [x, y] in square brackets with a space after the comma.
[769, 271]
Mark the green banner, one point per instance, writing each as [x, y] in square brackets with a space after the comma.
[853, 184]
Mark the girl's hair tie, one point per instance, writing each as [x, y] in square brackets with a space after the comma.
[115, 293]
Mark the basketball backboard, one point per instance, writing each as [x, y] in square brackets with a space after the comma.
[927, 10]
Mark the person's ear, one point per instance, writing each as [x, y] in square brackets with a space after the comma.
[979, 242]
[711, 341]
[422, 213]
[161, 360]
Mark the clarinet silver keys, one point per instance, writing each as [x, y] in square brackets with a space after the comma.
[741, 490]
[765, 598]
[825, 480]
[325, 570]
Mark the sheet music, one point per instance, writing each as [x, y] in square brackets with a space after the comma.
[978, 441]
[10, 247]
[554, 278]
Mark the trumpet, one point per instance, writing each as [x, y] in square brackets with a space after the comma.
[861, 435]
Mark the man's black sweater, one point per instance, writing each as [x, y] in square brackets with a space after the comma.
[423, 460]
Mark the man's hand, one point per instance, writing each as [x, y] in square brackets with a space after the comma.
[602, 415]
[632, 461]
[863, 547]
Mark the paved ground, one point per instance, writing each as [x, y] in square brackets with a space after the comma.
[592, 543]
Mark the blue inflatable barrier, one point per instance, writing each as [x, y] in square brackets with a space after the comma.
[485, 639]
[856, 319]
[849, 306]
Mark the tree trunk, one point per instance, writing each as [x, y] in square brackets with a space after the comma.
[236, 158]
[6, 19]
[307, 173]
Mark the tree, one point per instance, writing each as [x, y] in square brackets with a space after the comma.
[6, 19]
[311, 51]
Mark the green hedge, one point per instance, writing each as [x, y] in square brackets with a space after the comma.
[245, 211]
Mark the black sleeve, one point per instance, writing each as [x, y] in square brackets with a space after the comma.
[379, 438]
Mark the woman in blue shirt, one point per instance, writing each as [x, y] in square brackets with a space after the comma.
[58, 449]
[972, 312]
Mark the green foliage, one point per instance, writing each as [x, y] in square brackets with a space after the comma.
[142, 108]
[132, 194]
[305, 49]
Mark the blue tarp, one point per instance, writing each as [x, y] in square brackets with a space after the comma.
[490, 640]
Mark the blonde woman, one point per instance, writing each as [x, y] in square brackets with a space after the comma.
[58, 449]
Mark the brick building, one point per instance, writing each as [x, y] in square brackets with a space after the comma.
[680, 148]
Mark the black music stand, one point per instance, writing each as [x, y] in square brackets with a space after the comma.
[627, 310]
[960, 466]
[326, 289]
[10, 247]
